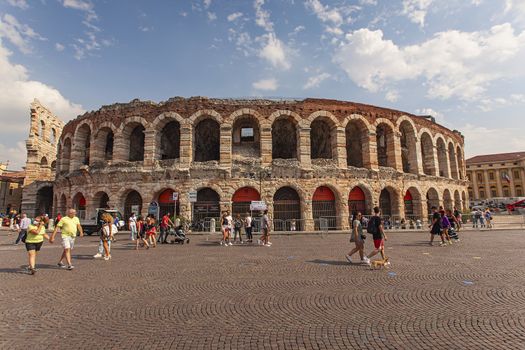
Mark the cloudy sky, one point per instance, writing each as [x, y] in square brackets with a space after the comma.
[462, 61]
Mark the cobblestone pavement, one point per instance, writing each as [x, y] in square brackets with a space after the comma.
[298, 294]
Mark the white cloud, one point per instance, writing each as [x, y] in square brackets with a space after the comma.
[262, 17]
[266, 84]
[207, 3]
[324, 13]
[232, 17]
[440, 117]
[212, 16]
[274, 52]
[491, 139]
[316, 80]
[15, 155]
[18, 34]
[78, 5]
[368, 2]
[18, 3]
[17, 91]
[59, 47]
[416, 10]
[451, 64]
[392, 95]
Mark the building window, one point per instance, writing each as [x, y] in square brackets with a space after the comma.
[505, 191]
[10, 191]
[490, 164]
[516, 174]
[519, 191]
[470, 194]
[480, 177]
[491, 176]
[247, 135]
[493, 192]
[481, 194]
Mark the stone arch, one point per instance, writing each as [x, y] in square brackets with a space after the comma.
[360, 199]
[242, 199]
[323, 137]
[81, 145]
[442, 157]
[53, 136]
[62, 205]
[385, 143]
[433, 200]
[168, 140]
[126, 147]
[287, 209]
[166, 203]
[427, 154]
[389, 201]
[44, 200]
[79, 203]
[283, 114]
[285, 136]
[357, 135]
[325, 205]
[206, 139]
[164, 118]
[447, 200]
[413, 204]
[207, 205]
[133, 202]
[246, 135]
[459, 159]
[453, 161]
[457, 200]
[196, 117]
[464, 201]
[43, 162]
[104, 142]
[65, 155]
[242, 113]
[53, 165]
[408, 141]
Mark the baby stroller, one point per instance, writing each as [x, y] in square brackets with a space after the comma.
[177, 235]
[453, 234]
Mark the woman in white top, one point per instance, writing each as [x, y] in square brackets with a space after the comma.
[358, 237]
[106, 234]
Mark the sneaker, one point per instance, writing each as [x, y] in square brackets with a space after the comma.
[61, 264]
[267, 245]
[270, 243]
[70, 267]
[348, 259]
[96, 256]
[31, 271]
[230, 243]
[442, 244]
[457, 240]
[449, 242]
[106, 258]
[221, 243]
[258, 241]
[365, 260]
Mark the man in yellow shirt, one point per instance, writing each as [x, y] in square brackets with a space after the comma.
[69, 226]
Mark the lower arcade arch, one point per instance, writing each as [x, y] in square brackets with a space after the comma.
[132, 204]
[287, 210]
[166, 203]
[206, 207]
[324, 209]
[241, 200]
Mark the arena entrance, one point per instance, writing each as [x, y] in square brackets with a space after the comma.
[357, 201]
[166, 203]
[132, 204]
[79, 204]
[323, 207]
[242, 199]
[206, 207]
[409, 204]
[287, 210]
[44, 201]
[385, 203]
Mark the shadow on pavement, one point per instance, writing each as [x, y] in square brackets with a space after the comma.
[330, 262]
[22, 269]
[83, 257]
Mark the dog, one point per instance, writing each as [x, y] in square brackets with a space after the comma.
[379, 264]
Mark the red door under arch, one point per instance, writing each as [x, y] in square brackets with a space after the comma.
[323, 205]
[242, 199]
[357, 201]
[166, 203]
[409, 204]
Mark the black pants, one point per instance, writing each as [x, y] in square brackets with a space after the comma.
[248, 231]
[163, 234]
[21, 236]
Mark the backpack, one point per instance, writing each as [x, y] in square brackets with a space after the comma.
[372, 227]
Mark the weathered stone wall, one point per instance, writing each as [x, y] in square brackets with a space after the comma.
[256, 167]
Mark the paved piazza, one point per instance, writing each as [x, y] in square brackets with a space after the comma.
[298, 294]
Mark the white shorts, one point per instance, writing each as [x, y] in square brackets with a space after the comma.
[68, 242]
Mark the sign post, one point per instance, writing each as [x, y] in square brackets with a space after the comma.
[175, 198]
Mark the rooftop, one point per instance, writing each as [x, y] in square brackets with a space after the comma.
[499, 157]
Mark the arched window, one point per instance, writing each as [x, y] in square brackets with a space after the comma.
[323, 208]
[170, 141]
[321, 139]
[132, 204]
[108, 146]
[207, 141]
[136, 144]
[408, 148]
[356, 136]
[242, 199]
[427, 154]
[42, 130]
[442, 158]
[284, 139]
[246, 137]
[287, 210]
[385, 145]
[206, 207]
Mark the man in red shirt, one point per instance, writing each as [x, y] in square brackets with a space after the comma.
[164, 228]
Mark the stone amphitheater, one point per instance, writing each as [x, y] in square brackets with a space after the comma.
[312, 161]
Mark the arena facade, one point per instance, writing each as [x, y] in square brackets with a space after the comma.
[311, 161]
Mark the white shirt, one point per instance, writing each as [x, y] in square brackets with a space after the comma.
[24, 223]
[248, 221]
[114, 230]
[133, 220]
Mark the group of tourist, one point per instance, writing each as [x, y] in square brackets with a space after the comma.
[482, 219]
[235, 225]
[375, 227]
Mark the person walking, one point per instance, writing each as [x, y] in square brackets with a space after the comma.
[165, 225]
[358, 237]
[107, 232]
[151, 231]
[226, 221]
[435, 227]
[58, 218]
[445, 226]
[488, 218]
[375, 227]
[237, 226]
[23, 227]
[457, 215]
[141, 234]
[132, 224]
[265, 223]
[35, 238]
[248, 227]
[69, 226]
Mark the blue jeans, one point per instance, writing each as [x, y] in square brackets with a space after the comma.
[101, 247]
[21, 236]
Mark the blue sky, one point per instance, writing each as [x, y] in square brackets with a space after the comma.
[461, 61]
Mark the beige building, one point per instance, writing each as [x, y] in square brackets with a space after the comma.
[45, 129]
[496, 176]
[11, 183]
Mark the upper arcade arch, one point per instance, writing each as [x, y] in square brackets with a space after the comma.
[408, 141]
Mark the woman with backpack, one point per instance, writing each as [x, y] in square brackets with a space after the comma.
[237, 225]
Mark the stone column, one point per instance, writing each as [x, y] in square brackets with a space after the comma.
[394, 152]
[399, 209]
[266, 145]
[343, 214]
[369, 146]
[474, 179]
[486, 185]
[226, 146]
[339, 145]
[437, 163]
[120, 147]
[522, 177]
[303, 144]
[149, 147]
[418, 157]
[512, 185]
[499, 186]
[308, 216]
[186, 149]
